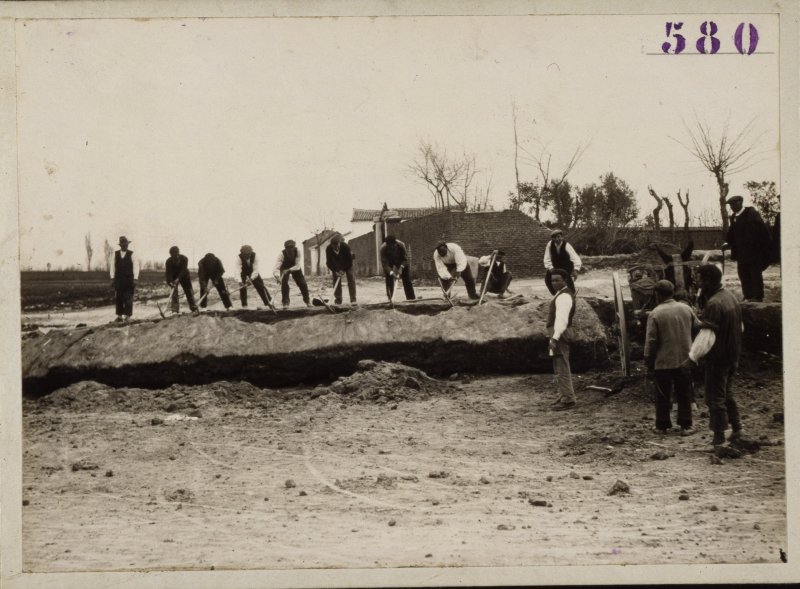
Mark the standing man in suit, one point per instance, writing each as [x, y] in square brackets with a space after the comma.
[124, 274]
[751, 247]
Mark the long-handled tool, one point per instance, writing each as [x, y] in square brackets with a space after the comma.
[171, 293]
[270, 304]
[209, 291]
[448, 291]
[323, 301]
[394, 289]
[486, 280]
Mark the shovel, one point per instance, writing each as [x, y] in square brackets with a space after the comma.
[394, 289]
[486, 280]
[160, 310]
[319, 296]
[270, 304]
[446, 293]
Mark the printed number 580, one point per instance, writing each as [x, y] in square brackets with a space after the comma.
[708, 41]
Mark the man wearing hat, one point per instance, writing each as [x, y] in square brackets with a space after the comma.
[751, 247]
[719, 342]
[339, 260]
[176, 270]
[668, 340]
[124, 274]
[210, 268]
[560, 332]
[499, 276]
[394, 260]
[247, 267]
[290, 263]
[558, 254]
[450, 261]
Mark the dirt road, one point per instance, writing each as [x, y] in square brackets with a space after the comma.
[426, 474]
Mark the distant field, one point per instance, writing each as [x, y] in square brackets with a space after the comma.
[72, 289]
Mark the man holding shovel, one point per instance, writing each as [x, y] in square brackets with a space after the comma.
[247, 266]
[451, 262]
[290, 263]
[211, 268]
[339, 260]
[176, 270]
[394, 259]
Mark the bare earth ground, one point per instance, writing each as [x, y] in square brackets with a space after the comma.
[393, 473]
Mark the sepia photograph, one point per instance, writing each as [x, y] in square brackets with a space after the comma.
[298, 292]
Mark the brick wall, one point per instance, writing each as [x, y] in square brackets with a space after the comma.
[522, 238]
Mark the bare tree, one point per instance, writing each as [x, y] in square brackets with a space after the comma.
[551, 183]
[685, 207]
[448, 179]
[657, 210]
[108, 252]
[87, 240]
[671, 217]
[319, 226]
[479, 201]
[732, 153]
[516, 144]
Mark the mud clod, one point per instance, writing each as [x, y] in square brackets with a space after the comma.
[619, 488]
[84, 464]
[289, 484]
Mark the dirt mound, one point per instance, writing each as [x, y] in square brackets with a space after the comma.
[386, 382]
[95, 397]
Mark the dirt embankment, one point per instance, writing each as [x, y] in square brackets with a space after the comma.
[313, 346]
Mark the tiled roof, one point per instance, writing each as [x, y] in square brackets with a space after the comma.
[370, 214]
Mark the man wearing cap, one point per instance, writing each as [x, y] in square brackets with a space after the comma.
[394, 260]
[124, 274]
[668, 340]
[499, 276]
[751, 247]
[339, 260]
[719, 342]
[560, 332]
[290, 263]
[247, 267]
[176, 270]
[450, 261]
[210, 268]
[560, 254]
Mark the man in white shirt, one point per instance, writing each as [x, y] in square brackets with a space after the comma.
[290, 263]
[247, 268]
[559, 329]
[560, 254]
[450, 261]
[124, 274]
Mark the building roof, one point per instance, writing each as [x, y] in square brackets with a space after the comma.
[405, 214]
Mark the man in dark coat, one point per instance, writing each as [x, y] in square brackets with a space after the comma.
[210, 268]
[394, 260]
[176, 270]
[290, 263]
[751, 247]
[124, 274]
[339, 260]
[247, 265]
[560, 255]
[719, 342]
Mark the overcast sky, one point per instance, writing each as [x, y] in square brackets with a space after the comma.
[213, 133]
